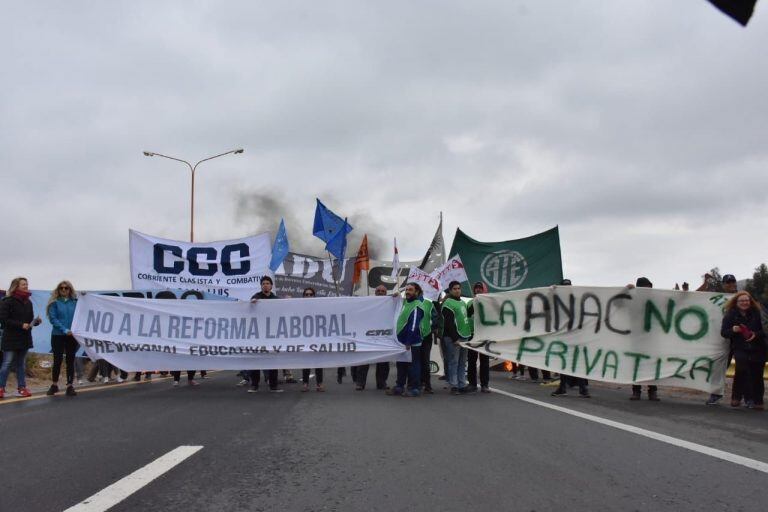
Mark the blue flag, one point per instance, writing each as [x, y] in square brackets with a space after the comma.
[338, 244]
[280, 248]
[327, 224]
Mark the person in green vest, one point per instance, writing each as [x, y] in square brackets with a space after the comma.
[413, 325]
[456, 328]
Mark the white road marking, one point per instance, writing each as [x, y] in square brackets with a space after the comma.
[118, 491]
[700, 448]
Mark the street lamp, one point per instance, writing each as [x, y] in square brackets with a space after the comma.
[192, 168]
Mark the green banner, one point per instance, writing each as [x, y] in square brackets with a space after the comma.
[530, 262]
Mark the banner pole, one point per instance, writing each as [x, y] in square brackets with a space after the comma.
[333, 275]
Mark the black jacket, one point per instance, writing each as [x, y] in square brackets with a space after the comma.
[14, 313]
[260, 295]
[754, 350]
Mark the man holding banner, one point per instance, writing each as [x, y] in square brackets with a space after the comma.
[269, 375]
[414, 324]
[456, 329]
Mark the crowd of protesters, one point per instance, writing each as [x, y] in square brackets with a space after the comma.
[421, 326]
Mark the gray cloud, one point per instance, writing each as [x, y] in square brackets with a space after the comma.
[636, 128]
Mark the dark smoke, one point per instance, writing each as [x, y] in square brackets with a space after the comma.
[262, 212]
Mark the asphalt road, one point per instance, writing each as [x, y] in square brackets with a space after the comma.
[348, 450]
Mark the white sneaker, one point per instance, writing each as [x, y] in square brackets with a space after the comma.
[175, 383]
[243, 382]
[80, 382]
[105, 380]
[120, 380]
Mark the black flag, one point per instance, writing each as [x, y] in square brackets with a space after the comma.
[740, 10]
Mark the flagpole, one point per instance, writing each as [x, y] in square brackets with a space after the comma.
[333, 275]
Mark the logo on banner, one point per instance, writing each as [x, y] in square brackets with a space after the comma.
[210, 260]
[504, 270]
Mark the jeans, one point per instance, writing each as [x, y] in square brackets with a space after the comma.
[17, 358]
[456, 358]
[410, 371]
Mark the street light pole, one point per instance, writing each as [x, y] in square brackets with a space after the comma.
[192, 169]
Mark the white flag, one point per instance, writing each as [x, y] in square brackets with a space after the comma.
[395, 263]
[453, 270]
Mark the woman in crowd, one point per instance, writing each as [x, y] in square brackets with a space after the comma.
[742, 325]
[18, 318]
[61, 312]
[308, 293]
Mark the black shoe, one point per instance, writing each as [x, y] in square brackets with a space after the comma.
[52, 390]
[428, 391]
[583, 393]
[339, 379]
[137, 377]
[485, 389]
[653, 396]
[442, 377]
[559, 392]
[454, 391]
[71, 391]
[471, 389]
[635, 396]
[464, 390]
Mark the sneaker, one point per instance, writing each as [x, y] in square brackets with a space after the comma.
[413, 393]
[304, 388]
[193, 382]
[23, 392]
[80, 382]
[394, 391]
[358, 387]
[713, 399]
[71, 391]
[243, 382]
[558, 392]
[471, 389]
[276, 390]
[654, 397]
[465, 390]
[120, 380]
[105, 380]
[148, 376]
[454, 391]
[137, 377]
[485, 389]
[442, 377]
[320, 388]
[584, 394]
[175, 383]
[253, 389]
[52, 390]
[750, 404]
[428, 391]
[635, 396]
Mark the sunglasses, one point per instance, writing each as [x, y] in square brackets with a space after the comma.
[63, 287]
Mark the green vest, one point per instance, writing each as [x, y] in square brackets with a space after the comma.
[459, 308]
[425, 326]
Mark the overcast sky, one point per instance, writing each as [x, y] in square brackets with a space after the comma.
[639, 127]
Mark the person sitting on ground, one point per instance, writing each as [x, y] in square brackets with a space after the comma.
[61, 311]
[742, 325]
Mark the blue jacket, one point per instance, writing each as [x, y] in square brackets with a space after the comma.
[411, 335]
[61, 313]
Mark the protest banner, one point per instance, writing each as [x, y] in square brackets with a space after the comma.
[299, 271]
[136, 334]
[232, 268]
[451, 270]
[513, 264]
[428, 283]
[41, 335]
[626, 336]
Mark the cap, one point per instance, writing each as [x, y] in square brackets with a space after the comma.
[565, 282]
[729, 278]
[643, 282]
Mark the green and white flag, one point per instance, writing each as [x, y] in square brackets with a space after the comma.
[513, 264]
